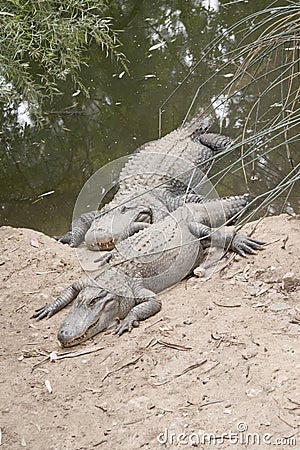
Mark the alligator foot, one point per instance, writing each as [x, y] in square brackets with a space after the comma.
[104, 259]
[68, 238]
[243, 245]
[66, 297]
[148, 306]
[65, 238]
[75, 236]
[45, 312]
[127, 325]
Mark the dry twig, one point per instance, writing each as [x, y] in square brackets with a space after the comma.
[210, 403]
[174, 346]
[227, 306]
[186, 370]
[290, 425]
[69, 355]
[130, 363]
[154, 323]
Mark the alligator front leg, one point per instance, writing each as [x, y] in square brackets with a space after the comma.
[147, 306]
[242, 245]
[67, 296]
[78, 230]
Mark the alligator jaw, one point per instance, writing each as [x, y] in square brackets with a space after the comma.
[105, 246]
[117, 225]
[109, 245]
[93, 329]
[70, 343]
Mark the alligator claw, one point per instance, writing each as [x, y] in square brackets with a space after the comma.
[64, 238]
[104, 259]
[126, 325]
[43, 312]
[243, 245]
[69, 239]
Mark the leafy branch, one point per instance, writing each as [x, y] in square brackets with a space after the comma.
[45, 42]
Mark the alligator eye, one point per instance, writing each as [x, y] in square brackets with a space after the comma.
[92, 301]
[145, 211]
[144, 214]
[123, 210]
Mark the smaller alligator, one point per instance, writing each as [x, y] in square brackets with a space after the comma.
[144, 264]
[151, 181]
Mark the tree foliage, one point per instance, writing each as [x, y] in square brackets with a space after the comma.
[45, 41]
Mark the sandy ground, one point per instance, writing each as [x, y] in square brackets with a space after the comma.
[222, 357]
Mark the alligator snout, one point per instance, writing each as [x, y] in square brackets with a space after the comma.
[63, 336]
[98, 238]
[66, 338]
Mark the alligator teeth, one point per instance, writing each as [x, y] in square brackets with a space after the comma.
[107, 245]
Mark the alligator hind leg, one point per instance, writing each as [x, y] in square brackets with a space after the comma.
[78, 230]
[242, 245]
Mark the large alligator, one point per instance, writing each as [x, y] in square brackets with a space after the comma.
[157, 178]
[143, 265]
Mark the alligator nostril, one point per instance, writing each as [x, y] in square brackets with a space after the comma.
[63, 335]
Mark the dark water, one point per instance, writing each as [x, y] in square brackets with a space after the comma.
[122, 112]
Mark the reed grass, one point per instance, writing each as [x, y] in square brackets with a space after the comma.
[266, 59]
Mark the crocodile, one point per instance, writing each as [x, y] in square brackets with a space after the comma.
[145, 264]
[154, 181]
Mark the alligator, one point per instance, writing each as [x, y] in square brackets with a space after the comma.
[145, 264]
[157, 178]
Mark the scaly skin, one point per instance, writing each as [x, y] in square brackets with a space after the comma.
[156, 172]
[143, 265]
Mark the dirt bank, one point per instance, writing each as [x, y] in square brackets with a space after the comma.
[222, 356]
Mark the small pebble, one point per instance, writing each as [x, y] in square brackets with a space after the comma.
[277, 307]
